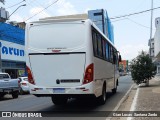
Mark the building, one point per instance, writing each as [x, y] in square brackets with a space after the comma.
[102, 21]
[151, 48]
[12, 46]
[123, 66]
[154, 45]
[157, 38]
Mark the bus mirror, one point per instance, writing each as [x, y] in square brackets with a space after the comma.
[120, 59]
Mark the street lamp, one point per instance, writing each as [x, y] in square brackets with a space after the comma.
[16, 10]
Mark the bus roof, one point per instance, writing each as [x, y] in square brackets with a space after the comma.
[68, 20]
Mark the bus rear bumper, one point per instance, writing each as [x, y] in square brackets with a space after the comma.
[83, 90]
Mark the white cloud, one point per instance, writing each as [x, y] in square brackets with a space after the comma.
[131, 51]
[39, 11]
[65, 8]
[16, 17]
[86, 10]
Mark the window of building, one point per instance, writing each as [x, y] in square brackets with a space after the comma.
[152, 45]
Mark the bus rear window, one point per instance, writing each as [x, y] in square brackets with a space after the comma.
[56, 35]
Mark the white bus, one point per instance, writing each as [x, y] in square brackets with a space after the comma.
[70, 59]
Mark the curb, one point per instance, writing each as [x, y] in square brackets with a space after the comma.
[121, 101]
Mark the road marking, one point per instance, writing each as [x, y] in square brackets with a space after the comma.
[8, 98]
[121, 101]
[133, 106]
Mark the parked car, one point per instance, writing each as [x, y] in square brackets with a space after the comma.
[24, 85]
[8, 85]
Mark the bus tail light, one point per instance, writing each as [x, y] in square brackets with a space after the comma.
[30, 77]
[89, 73]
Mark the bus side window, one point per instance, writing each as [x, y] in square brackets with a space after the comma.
[107, 51]
[95, 47]
[115, 57]
[104, 48]
[99, 39]
[111, 54]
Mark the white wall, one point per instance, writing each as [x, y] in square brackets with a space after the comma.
[157, 38]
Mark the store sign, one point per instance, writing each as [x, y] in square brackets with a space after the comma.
[12, 51]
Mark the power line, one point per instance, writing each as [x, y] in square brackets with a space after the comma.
[138, 23]
[119, 20]
[42, 10]
[43, 6]
[133, 22]
[15, 4]
[134, 13]
[33, 6]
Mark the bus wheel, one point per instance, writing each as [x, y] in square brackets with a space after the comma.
[59, 100]
[114, 90]
[102, 98]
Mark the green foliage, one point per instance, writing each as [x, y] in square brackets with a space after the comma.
[142, 68]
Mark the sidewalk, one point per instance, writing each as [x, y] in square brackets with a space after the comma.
[148, 98]
[142, 98]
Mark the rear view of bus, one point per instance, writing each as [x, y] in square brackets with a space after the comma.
[56, 62]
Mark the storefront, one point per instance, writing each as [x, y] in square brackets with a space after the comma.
[12, 50]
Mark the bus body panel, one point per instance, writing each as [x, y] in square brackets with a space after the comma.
[104, 72]
[58, 70]
[43, 67]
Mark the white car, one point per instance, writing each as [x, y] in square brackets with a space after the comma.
[24, 85]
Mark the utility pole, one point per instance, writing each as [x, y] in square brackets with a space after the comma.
[147, 82]
[151, 19]
[151, 28]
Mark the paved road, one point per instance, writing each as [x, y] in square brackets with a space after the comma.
[32, 103]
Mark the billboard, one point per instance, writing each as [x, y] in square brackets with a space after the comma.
[12, 51]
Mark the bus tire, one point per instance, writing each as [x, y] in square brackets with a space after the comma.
[103, 97]
[114, 90]
[59, 100]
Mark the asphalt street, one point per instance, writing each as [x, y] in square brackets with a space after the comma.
[33, 104]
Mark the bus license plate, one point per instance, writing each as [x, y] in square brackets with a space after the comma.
[59, 90]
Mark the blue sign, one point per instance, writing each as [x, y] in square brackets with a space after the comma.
[11, 50]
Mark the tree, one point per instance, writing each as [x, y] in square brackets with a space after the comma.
[142, 69]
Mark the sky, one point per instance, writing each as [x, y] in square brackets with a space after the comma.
[131, 34]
